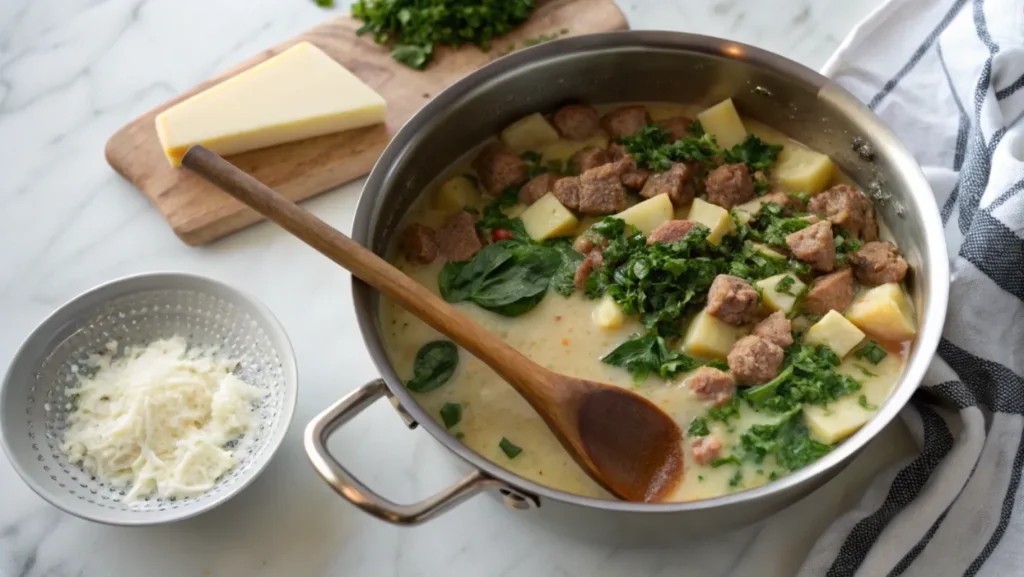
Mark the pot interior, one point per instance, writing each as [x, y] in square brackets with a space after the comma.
[666, 67]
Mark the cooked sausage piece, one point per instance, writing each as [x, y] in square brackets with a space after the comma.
[589, 158]
[419, 243]
[878, 263]
[847, 208]
[729, 185]
[457, 240]
[814, 245]
[537, 187]
[706, 449]
[593, 261]
[577, 121]
[670, 231]
[567, 191]
[754, 360]
[732, 300]
[712, 384]
[617, 150]
[625, 121]
[676, 182]
[677, 126]
[776, 328]
[499, 168]
[830, 292]
[601, 191]
[635, 177]
[789, 204]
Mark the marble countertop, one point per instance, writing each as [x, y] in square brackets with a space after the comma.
[70, 75]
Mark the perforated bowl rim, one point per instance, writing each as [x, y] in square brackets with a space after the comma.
[75, 308]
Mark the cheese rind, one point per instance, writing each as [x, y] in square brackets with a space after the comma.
[298, 94]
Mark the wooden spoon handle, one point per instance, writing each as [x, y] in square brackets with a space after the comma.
[367, 266]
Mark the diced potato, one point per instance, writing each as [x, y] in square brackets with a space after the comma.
[884, 312]
[562, 149]
[649, 214]
[723, 122]
[779, 301]
[769, 252]
[547, 218]
[455, 194]
[838, 420]
[529, 133]
[608, 314]
[709, 338]
[835, 332]
[748, 210]
[800, 169]
[712, 216]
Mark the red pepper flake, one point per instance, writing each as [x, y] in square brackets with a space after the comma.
[558, 317]
[501, 234]
[565, 342]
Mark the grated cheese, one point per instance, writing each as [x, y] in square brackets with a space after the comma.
[158, 418]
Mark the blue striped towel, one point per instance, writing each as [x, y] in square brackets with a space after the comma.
[948, 77]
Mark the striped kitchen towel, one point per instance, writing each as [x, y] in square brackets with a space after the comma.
[948, 77]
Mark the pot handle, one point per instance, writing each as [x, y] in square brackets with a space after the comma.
[320, 429]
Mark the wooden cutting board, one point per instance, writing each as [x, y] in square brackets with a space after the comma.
[199, 213]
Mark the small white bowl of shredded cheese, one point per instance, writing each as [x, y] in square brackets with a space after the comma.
[148, 399]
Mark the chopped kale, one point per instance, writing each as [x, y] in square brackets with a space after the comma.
[808, 376]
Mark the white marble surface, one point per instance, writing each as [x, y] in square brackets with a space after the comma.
[72, 72]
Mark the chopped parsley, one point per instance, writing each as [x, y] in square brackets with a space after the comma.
[785, 285]
[698, 427]
[871, 352]
[412, 28]
[451, 414]
[510, 449]
[788, 441]
[754, 152]
[737, 479]
[863, 402]
[730, 460]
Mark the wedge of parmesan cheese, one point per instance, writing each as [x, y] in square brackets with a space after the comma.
[298, 94]
[157, 419]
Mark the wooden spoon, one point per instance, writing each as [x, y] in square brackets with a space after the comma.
[622, 440]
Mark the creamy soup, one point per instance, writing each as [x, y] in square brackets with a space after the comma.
[794, 334]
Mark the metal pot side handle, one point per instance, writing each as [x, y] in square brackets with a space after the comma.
[320, 429]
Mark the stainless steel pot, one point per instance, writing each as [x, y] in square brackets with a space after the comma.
[623, 67]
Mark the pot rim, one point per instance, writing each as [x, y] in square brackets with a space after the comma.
[935, 266]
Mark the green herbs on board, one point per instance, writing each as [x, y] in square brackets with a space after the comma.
[413, 28]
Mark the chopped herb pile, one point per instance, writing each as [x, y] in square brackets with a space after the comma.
[658, 281]
[510, 449]
[412, 28]
[435, 363]
[653, 149]
[808, 376]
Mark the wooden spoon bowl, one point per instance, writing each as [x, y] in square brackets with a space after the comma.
[622, 440]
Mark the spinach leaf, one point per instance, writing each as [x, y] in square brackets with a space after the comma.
[871, 352]
[563, 281]
[507, 277]
[451, 414]
[435, 364]
[698, 428]
[510, 449]
[643, 355]
[808, 376]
